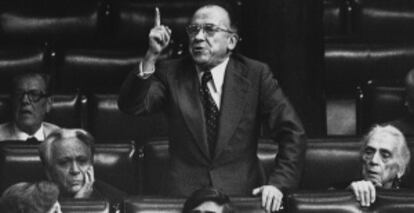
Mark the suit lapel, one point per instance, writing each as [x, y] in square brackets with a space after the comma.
[188, 99]
[233, 101]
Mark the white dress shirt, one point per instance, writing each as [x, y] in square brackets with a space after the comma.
[20, 135]
[216, 85]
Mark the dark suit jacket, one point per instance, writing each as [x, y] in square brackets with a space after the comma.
[250, 93]
[104, 191]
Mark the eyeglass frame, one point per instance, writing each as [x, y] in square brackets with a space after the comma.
[199, 27]
[30, 93]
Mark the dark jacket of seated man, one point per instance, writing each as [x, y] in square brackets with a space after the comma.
[67, 156]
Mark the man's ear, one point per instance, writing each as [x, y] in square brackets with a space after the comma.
[233, 39]
[401, 172]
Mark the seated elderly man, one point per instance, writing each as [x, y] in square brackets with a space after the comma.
[67, 156]
[208, 200]
[385, 158]
[41, 197]
[30, 101]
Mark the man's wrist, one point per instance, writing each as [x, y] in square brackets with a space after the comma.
[151, 56]
[144, 74]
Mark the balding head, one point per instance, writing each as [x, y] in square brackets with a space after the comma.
[216, 11]
[211, 36]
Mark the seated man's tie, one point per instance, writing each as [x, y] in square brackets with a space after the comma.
[32, 140]
[211, 112]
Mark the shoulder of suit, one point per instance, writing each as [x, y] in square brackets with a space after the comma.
[171, 67]
[5, 131]
[246, 61]
[50, 126]
[167, 64]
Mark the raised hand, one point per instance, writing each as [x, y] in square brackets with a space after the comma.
[87, 188]
[159, 36]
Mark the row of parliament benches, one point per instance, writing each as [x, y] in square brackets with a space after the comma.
[334, 201]
[99, 114]
[140, 170]
[91, 45]
[88, 45]
[377, 102]
[76, 41]
[363, 40]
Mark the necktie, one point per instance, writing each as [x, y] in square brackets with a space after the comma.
[211, 112]
[32, 140]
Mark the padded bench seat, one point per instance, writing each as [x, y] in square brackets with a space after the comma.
[114, 164]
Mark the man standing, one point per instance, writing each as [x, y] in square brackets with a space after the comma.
[215, 102]
[31, 102]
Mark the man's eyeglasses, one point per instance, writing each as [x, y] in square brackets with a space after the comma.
[32, 95]
[208, 29]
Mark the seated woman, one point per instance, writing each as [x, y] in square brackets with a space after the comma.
[41, 197]
[385, 157]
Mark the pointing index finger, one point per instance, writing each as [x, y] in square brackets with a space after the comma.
[157, 21]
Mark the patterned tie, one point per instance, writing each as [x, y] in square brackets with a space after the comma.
[211, 112]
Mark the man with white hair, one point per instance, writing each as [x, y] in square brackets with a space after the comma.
[67, 156]
[385, 157]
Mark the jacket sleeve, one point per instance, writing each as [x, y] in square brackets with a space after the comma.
[286, 129]
[141, 96]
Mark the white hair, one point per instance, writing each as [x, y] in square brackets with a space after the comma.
[403, 158]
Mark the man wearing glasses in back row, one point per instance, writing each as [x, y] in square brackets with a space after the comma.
[30, 102]
[215, 102]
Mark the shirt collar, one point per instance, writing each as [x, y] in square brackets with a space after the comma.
[217, 73]
[20, 135]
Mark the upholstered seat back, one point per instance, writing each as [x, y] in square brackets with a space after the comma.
[323, 202]
[345, 202]
[328, 162]
[380, 102]
[84, 206]
[107, 122]
[113, 163]
[174, 205]
[331, 161]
